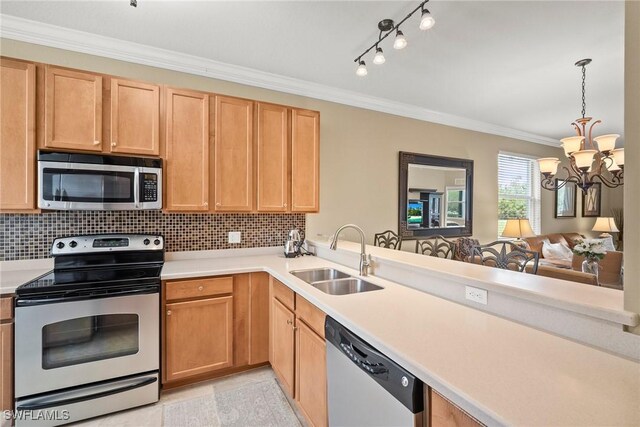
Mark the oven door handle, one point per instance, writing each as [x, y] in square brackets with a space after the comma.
[26, 302]
[44, 404]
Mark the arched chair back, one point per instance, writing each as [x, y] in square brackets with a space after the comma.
[387, 239]
[506, 255]
[436, 246]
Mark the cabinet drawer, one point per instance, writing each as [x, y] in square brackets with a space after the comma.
[311, 315]
[285, 295]
[6, 308]
[185, 289]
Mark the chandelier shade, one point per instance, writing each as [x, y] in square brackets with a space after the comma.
[590, 159]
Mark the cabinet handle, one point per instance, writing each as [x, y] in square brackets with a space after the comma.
[113, 143]
[168, 312]
[96, 142]
[289, 322]
[200, 287]
[294, 328]
[285, 205]
[218, 204]
[206, 203]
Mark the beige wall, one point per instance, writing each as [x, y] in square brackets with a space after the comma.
[632, 158]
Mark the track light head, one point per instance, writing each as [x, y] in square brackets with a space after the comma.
[379, 59]
[400, 42]
[427, 21]
[362, 69]
[133, 3]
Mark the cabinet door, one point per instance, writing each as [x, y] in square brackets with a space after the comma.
[282, 345]
[135, 118]
[187, 151]
[199, 337]
[6, 366]
[73, 110]
[233, 154]
[17, 135]
[311, 375]
[259, 315]
[272, 142]
[305, 161]
[443, 413]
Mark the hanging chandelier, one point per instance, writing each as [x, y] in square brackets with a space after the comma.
[387, 27]
[590, 159]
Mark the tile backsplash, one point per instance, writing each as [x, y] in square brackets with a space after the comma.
[29, 236]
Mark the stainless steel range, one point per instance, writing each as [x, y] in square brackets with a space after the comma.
[87, 333]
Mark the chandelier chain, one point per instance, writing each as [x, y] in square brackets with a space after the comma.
[584, 101]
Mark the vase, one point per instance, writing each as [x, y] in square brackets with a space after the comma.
[590, 265]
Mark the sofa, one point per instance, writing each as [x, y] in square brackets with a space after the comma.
[570, 268]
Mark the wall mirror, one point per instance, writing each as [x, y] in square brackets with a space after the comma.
[435, 196]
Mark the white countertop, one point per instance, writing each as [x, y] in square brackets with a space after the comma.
[499, 371]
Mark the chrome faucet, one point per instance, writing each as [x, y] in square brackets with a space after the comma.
[365, 261]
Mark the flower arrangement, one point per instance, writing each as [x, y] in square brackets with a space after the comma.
[589, 249]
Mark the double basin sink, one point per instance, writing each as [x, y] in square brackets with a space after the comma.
[334, 282]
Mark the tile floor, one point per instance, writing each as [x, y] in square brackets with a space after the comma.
[152, 415]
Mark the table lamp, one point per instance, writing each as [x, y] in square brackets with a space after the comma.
[518, 228]
[606, 225]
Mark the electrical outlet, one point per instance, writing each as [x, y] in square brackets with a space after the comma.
[235, 237]
[476, 294]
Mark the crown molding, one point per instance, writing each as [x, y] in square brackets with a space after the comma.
[29, 31]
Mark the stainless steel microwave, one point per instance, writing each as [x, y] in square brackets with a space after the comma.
[73, 181]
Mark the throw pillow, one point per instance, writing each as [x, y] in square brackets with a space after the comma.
[556, 251]
[606, 242]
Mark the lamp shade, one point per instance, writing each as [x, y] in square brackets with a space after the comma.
[517, 228]
[605, 224]
[572, 144]
[549, 165]
[584, 158]
[618, 156]
[606, 143]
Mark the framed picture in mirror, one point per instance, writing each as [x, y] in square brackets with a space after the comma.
[591, 201]
[565, 201]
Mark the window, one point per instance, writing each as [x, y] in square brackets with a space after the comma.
[455, 206]
[518, 190]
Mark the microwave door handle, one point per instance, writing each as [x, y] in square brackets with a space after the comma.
[136, 188]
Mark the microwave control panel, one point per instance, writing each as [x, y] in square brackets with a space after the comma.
[149, 187]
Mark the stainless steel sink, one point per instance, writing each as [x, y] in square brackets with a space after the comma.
[319, 274]
[351, 285]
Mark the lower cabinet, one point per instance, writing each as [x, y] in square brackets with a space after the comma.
[298, 351]
[443, 413]
[6, 355]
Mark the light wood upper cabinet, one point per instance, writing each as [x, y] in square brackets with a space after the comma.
[272, 152]
[187, 150]
[17, 135]
[73, 110]
[233, 154]
[305, 160]
[282, 344]
[311, 375]
[199, 336]
[135, 118]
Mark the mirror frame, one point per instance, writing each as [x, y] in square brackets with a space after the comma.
[422, 159]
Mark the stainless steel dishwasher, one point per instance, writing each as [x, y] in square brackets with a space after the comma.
[365, 387]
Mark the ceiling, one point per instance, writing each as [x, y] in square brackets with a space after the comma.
[504, 63]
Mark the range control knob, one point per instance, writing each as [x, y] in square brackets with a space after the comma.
[73, 243]
[60, 245]
[146, 241]
[156, 242]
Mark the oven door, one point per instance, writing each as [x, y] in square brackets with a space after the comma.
[68, 344]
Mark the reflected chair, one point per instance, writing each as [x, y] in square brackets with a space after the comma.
[436, 246]
[387, 239]
[464, 248]
[495, 254]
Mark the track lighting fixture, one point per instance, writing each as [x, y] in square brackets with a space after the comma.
[133, 3]
[387, 27]
[362, 69]
[379, 59]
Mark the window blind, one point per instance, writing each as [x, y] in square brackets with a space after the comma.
[518, 190]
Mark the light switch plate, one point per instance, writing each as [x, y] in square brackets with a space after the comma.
[235, 237]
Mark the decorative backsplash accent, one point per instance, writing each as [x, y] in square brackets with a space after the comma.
[29, 236]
